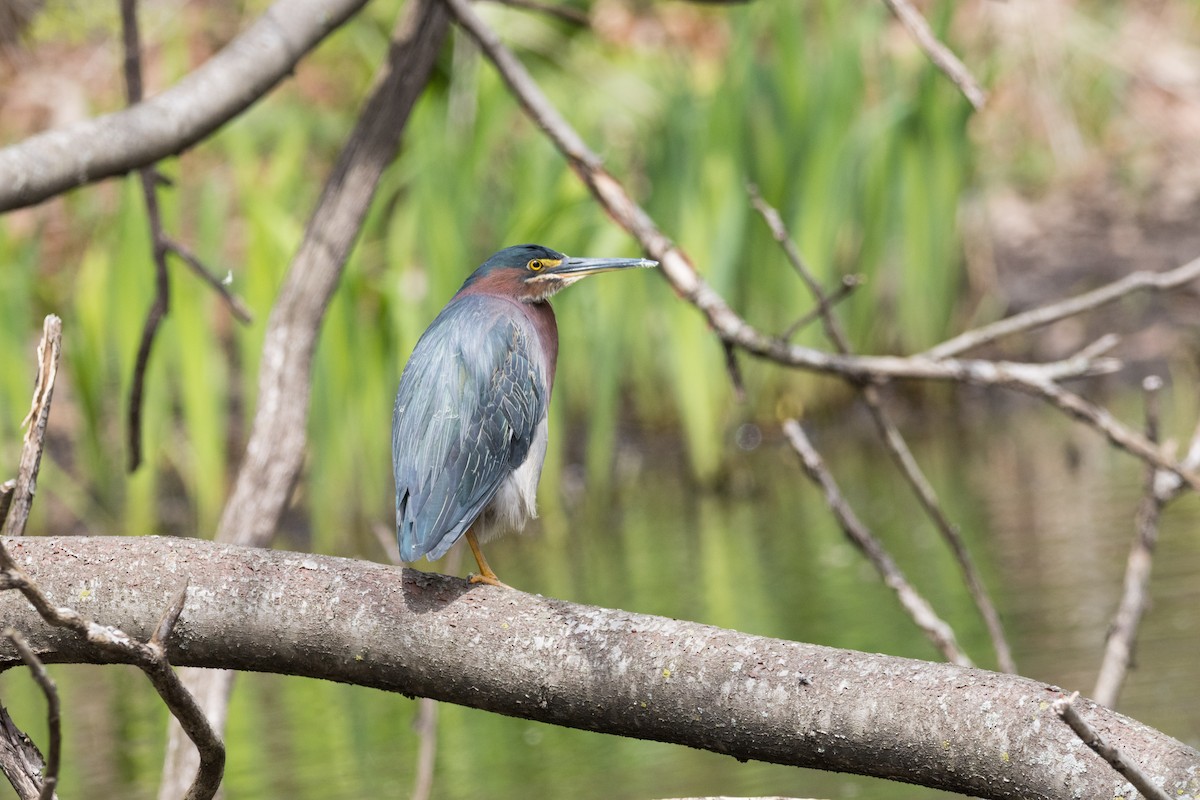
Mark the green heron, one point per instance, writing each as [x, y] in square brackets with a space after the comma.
[469, 426]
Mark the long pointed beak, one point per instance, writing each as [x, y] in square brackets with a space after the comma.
[579, 267]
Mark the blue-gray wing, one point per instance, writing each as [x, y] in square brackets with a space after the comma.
[470, 399]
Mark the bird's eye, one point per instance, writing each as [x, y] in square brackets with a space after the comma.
[535, 265]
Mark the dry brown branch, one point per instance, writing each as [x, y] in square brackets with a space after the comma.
[274, 453]
[1036, 379]
[7, 489]
[49, 778]
[846, 288]
[1088, 301]
[20, 760]
[606, 670]
[236, 305]
[893, 440]
[941, 56]
[160, 245]
[936, 629]
[20, 500]
[53, 162]
[1118, 648]
[1065, 708]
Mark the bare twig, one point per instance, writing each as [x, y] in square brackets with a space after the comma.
[845, 288]
[938, 53]
[53, 719]
[160, 245]
[236, 305]
[676, 267]
[1089, 301]
[20, 760]
[894, 442]
[162, 284]
[20, 499]
[1118, 648]
[426, 726]
[1065, 708]
[917, 607]
[7, 489]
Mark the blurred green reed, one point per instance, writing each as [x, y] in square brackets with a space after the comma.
[865, 155]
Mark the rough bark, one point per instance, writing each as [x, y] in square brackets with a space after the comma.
[248, 67]
[960, 729]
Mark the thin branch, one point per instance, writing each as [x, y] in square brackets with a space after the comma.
[893, 440]
[845, 288]
[1065, 708]
[160, 244]
[426, 725]
[1089, 301]
[20, 500]
[734, 370]
[676, 267]
[935, 628]
[161, 304]
[53, 714]
[20, 760]
[53, 162]
[1118, 648]
[236, 305]
[7, 490]
[941, 56]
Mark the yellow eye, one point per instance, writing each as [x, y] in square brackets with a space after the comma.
[535, 265]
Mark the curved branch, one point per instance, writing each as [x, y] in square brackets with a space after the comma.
[498, 649]
[169, 123]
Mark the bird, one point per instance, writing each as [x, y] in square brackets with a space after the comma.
[469, 430]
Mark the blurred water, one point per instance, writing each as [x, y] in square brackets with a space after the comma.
[1046, 507]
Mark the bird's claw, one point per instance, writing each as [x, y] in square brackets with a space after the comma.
[489, 578]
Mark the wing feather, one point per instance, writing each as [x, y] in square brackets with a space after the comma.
[466, 410]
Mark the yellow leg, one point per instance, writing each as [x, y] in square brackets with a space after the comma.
[485, 572]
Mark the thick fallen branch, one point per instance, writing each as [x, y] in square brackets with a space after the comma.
[965, 730]
[169, 123]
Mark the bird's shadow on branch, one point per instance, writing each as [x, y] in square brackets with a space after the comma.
[430, 592]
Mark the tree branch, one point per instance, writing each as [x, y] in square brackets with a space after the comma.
[935, 628]
[1065, 708]
[1118, 648]
[893, 440]
[941, 56]
[1088, 301]
[50, 163]
[17, 502]
[498, 649]
[50, 777]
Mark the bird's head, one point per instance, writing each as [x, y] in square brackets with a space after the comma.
[531, 273]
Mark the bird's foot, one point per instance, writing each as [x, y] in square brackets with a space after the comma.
[488, 577]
